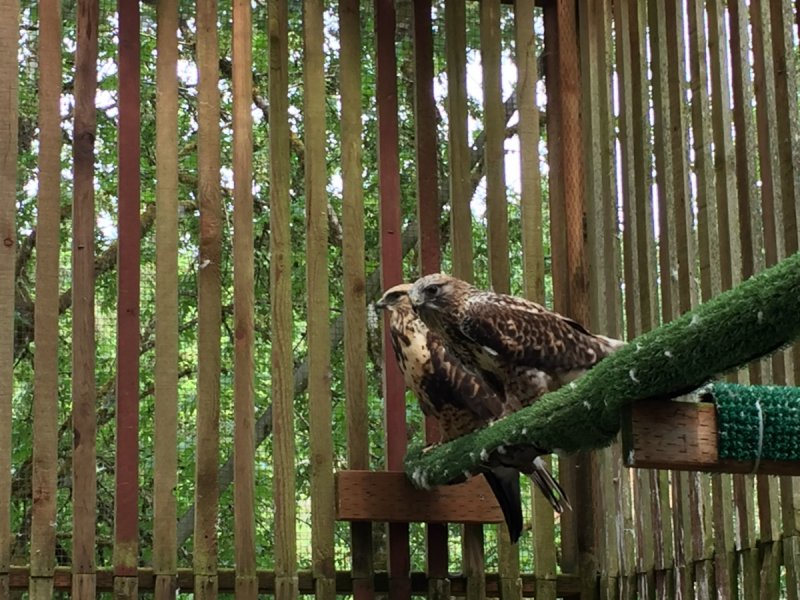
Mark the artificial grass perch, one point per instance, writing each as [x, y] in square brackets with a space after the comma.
[756, 318]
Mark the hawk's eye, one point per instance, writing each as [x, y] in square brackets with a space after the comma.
[432, 291]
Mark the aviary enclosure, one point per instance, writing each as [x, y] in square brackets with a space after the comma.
[200, 202]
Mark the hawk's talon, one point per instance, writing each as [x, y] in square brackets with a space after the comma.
[430, 447]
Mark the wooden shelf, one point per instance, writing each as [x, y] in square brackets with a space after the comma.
[386, 496]
[682, 436]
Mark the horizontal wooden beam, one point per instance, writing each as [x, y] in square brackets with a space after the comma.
[682, 436]
[385, 496]
[566, 585]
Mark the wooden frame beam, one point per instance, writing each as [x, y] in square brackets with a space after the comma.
[388, 496]
[683, 436]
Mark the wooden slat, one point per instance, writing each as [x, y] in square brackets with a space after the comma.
[389, 496]
[428, 216]
[48, 245]
[9, 41]
[319, 361]
[752, 260]
[84, 424]
[566, 585]
[126, 491]
[243, 305]
[166, 369]
[497, 221]
[730, 268]
[281, 308]
[683, 436]
[391, 274]
[209, 303]
[355, 334]
[459, 151]
[543, 522]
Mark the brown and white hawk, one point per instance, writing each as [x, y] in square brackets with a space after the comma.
[519, 347]
[458, 399]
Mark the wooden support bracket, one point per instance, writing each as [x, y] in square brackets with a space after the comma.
[388, 496]
[683, 436]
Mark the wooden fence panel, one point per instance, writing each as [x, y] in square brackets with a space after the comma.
[9, 42]
[84, 423]
[165, 542]
[48, 246]
[209, 301]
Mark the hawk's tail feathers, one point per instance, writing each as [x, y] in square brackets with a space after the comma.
[614, 344]
[551, 489]
[505, 485]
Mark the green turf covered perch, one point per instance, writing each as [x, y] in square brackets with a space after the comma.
[757, 318]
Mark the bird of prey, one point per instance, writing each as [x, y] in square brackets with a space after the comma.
[458, 399]
[521, 349]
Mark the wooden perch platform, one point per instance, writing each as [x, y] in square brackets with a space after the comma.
[386, 496]
[683, 436]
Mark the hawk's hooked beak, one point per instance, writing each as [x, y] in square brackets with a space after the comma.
[413, 295]
[380, 304]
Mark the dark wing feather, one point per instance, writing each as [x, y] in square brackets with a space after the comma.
[451, 383]
[527, 334]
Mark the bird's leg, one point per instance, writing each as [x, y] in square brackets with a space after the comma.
[430, 447]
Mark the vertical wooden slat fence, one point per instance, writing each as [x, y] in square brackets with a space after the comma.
[672, 170]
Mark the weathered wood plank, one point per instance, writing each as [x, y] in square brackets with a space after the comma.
[165, 544]
[458, 144]
[355, 334]
[319, 361]
[243, 305]
[209, 300]
[389, 496]
[126, 473]
[48, 245]
[84, 468]
[281, 309]
[9, 42]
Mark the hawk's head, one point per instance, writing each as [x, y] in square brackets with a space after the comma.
[395, 298]
[439, 293]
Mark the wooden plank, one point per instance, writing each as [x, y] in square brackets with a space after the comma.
[209, 302]
[389, 496]
[391, 274]
[9, 42]
[428, 216]
[748, 194]
[126, 473]
[126, 586]
[458, 145]
[542, 517]
[166, 369]
[566, 585]
[497, 221]
[682, 436]
[281, 309]
[84, 424]
[48, 245]
[355, 335]
[319, 361]
[243, 305]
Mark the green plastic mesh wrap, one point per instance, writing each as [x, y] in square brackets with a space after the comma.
[757, 421]
[756, 318]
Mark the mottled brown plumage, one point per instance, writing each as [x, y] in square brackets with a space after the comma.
[519, 347]
[457, 398]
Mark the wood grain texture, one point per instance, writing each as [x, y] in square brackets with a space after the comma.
[9, 40]
[281, 308]
[565, 585]
[458, 145]
[84, 468]
[166, 368]
[355, 314]
[243, 309]
[391, 497]
[48, 245]
[209, 295]
[126, 473]
[319, 360]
